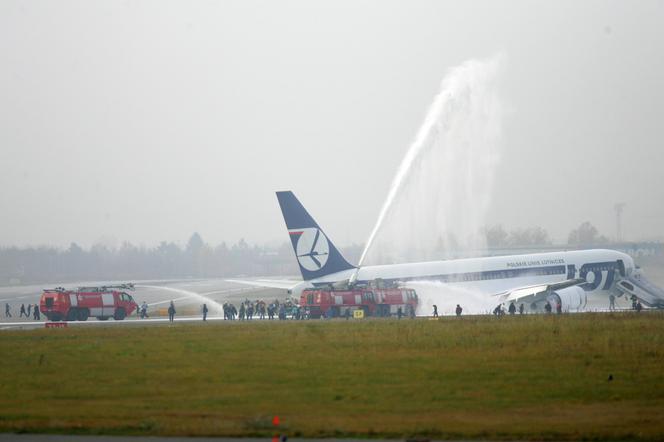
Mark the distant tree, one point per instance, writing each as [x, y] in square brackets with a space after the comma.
[586, 234]
[531, 236]
[195, 243]
[496, 236]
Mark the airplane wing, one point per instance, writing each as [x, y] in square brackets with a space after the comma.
[271, 283]
[537, 293]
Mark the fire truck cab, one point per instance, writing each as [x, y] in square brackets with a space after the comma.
[104, 302]
[382, 302]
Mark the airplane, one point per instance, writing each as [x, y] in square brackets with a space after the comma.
[565, 277]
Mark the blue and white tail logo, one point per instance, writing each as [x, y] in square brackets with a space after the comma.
[312, 248]
[315, 253]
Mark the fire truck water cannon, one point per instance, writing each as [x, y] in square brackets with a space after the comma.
[103, 302]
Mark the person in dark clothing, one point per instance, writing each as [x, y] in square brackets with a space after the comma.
[205, 312]
[36, 312]
[498, 310]
[8, 313]
[458, 310]
[399, 313]
[638, 306]
[559, 308]
[521, 307]
[242, 310]
[547, 307]
[612, 302]
[347, 313]
[512, 308]
[22, 312]
[29, 310]
[171, 312]
[435, 311]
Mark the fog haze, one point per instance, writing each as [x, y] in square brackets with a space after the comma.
[147, 121]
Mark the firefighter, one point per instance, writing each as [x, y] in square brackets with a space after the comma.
[435, 311]
[8, 313]
[171, 312]
[36, 314]
[559, 308]
[347, 313]
[29, 311]
[22, 312]
[521, 307]
[458, 310]
[512, 308]
[205, 312]
[241, 315]
[399, 313]
[612, 302]
[144, 310]
[638, 306]
[547, 307]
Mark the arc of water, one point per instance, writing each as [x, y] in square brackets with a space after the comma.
[187, 294]
[458, 90]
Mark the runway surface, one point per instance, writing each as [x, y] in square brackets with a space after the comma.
[187, 295]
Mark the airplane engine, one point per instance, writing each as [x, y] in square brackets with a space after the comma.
[571, 298]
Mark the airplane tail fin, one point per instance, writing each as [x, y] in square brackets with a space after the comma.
[315, 253]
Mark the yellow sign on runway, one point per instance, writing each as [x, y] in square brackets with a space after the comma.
[358, 314]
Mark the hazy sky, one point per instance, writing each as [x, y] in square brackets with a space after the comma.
[146, 121]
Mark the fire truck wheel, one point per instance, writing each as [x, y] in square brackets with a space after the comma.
[102, 318]
[83, 314]
[55, 317]
[119, 314]
[72, 314]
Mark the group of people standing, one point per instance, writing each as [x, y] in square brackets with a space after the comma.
[512, 309]
[32, 310]
[260, 309]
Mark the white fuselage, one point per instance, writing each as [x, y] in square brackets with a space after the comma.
[497, 274]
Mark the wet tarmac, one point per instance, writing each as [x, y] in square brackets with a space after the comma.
[188, 296]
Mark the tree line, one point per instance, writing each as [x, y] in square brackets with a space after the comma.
[198, 259]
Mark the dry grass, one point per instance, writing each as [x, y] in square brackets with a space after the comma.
[531, 377]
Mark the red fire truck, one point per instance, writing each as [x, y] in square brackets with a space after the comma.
[60, 304]
[382, 302]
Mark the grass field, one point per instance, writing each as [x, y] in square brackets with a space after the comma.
[533, 377]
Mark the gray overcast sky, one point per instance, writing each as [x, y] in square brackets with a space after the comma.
[148, 120]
